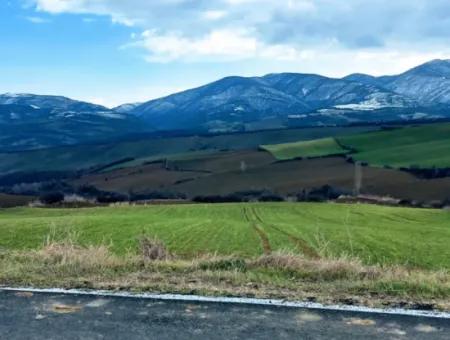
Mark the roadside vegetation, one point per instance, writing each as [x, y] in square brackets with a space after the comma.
[151, 267]
[315, 148]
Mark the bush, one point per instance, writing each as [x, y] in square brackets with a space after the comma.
[156, 195]
[325, 193]
[241, 196]
[51, 198]
[87, 190]
[269, 197]
[111, 197]
[152, 249]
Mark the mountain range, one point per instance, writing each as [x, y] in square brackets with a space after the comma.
[30, 121]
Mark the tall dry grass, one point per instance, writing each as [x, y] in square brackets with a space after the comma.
[66, 263]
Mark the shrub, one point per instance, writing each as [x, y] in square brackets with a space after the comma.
[269, 197]
[51, 198]
[111, 197]
[241, 196]
[156, 195]
[152, 249]
[325, 193]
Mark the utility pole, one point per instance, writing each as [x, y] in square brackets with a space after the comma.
[358, 178]
[243, 166]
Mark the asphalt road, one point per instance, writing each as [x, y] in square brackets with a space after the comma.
[52, 316]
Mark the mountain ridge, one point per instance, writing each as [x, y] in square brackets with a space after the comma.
[235, 103]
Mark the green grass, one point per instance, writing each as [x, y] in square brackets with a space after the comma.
[375, 234]
[314, 148]
[423, 146]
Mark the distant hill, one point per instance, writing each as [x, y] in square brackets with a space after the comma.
[29, 121]
[238, 103]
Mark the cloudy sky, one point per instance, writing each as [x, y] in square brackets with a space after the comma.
[116, 51]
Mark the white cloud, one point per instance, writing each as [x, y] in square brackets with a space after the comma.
[293, 30]
[37, 20]
[214, 15]
[218, 45]
[132, 95]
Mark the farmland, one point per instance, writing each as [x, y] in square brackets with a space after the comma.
[374, 234]
[136, 152]
[314, 148]
[425, 146]
[221, 173]
[422, 146]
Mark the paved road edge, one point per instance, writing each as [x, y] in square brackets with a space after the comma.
[251, 301]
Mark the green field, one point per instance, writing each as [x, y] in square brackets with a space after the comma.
[376, 234]
[142, 150]
[314, 148]
[423, 146]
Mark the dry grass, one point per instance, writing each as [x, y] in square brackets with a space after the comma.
[66, 264]
[325, 269]
[152, 249]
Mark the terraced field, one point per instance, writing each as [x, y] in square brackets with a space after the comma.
[416, 237]
[314, 148]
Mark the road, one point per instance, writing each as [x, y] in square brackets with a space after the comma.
[26, 315]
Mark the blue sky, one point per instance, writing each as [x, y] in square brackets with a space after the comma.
[114, 51]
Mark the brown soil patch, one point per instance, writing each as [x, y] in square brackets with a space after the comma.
[221, 174]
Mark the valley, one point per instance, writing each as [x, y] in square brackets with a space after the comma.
[287, 185]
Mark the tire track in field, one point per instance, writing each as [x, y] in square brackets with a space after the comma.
[267, 249]
[300, 243]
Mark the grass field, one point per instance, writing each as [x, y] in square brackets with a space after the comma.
[374, 234]
[314, 148]
[423, 146]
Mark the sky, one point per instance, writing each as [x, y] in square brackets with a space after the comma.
[112, 52]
